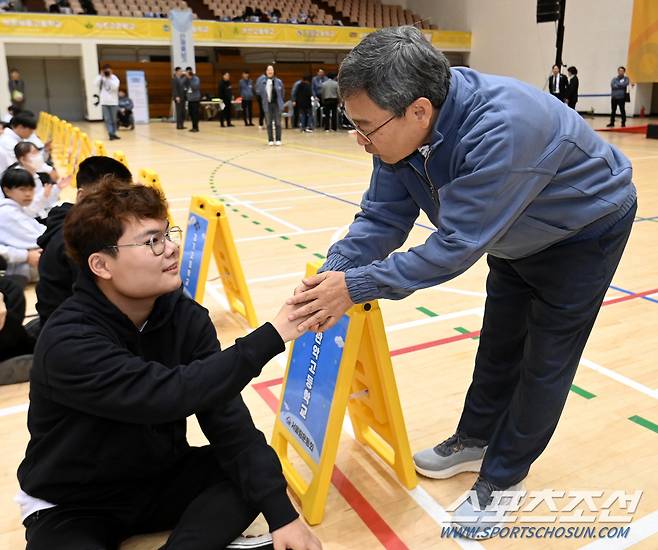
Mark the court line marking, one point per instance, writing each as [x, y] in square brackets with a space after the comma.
[265, 175]
[287, 190]
[278, 209]
[640, 530]
[279, 235]
[262, 212]
[625, 380]
[303, 198]
[15, 409]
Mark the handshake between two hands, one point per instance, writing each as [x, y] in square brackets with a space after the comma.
[317, 305]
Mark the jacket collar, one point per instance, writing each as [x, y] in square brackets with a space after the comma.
[86, 290]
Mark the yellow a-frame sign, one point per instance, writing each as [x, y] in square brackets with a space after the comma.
[209, 234]
[364, 385]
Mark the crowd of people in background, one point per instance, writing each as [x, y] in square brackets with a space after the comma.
[313, 102]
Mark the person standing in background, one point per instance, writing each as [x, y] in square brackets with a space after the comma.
[261, 114]
[108, 86]
[316, 84]
[303, 103]
[272, 95]
[178, 95]
[225, 93]
[572, 90]
[192, 85]
[293, 97]
[558, 84]
[329, 95]
[618, 92]
[247, 94]
[16, 90]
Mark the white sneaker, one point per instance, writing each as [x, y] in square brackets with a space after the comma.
[251, 542]
[270, 143]
[277, 143]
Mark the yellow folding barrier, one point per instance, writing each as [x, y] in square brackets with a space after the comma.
[99, 148]
[121, 157]
[151, 178]
[350, 367]
[208, 234]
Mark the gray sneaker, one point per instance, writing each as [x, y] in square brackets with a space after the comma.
[478, 515]
[459, 453]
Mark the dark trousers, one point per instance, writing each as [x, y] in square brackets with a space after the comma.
[273, 115]
[330, 114]
[203, 508]
[295, 116]
[180, 113]
[247, 111]
[621, 103]
[261, 112]
[318, 114]
[538, 315]
[306, 117]
[14, 340]
[225, 114]
[193, 108]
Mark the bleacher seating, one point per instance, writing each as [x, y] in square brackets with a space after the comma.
[362, 13]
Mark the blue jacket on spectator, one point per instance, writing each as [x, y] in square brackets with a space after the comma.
[618, 87]
[278, 86]
[508, 171]
[247, 89]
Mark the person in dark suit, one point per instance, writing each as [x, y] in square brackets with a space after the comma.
[225, 92]
[558, 84]
[178, 95]
[572, 90]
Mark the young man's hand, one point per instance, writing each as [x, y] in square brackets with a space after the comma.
[295, 536]
[33, 257]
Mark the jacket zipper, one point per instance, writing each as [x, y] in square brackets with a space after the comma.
[425, 177]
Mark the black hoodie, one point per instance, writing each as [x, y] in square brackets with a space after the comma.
[108, 403]
[57, 272]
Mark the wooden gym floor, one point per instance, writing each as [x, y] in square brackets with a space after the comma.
[286, 206]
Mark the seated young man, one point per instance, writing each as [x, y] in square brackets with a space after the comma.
[20, 231]
[117, 370]
[57, 272]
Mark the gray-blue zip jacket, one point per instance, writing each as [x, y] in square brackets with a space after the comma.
[510, 171]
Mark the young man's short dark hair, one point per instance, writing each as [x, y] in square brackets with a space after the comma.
[98, 222]
[24, 118]
[93, 169]
[15, 177]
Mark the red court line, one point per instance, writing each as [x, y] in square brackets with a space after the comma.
[348, 491]
[630, 297]
[475, 333]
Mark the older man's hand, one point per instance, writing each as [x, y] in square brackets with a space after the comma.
[325, 298]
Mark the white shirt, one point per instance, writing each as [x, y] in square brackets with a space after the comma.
[19, 230]
[268, 89]
[556, 79]
[29, 504]
[108, 87]
[9, 139]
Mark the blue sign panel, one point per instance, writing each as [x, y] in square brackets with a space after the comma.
[195, 241]
[311, 384]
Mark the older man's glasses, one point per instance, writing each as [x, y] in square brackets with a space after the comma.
[366, 135]
[157, 241]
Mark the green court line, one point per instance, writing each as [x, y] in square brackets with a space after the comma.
[463, 330]
[284, 237]
[300, 246]
[321, 256]
[245, 216]
[644, 423]
[255, 222]
[269, 229]
[427, 312]
[582, 392]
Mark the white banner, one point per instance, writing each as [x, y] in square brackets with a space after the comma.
[137, 92]
[182, 44]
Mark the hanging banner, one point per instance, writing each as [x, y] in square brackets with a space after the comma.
[137, 92]
[182, 41]
[163, 31]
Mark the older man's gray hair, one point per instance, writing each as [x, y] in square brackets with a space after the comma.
[395, 66]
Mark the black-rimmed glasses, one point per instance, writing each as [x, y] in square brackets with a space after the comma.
[366, 135]
[157, 241]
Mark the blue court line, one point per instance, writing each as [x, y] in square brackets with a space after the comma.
[649, 299]
[650, 219]
[266, 175]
